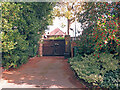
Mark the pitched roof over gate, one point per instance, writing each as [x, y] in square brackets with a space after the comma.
[57, 31]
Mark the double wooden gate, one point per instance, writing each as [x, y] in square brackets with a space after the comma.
[53, 47]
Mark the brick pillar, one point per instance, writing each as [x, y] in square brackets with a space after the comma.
[67, 43]
[40, 46]
[40, 49]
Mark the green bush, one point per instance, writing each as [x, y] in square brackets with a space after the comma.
[98, 45]
[101, 33]
[75, 59]
[23, 23]
[93, 68]
[111, 79]
[57, 38]
[85, 44]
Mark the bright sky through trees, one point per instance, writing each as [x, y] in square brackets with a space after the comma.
[67, 13]
[57, 23]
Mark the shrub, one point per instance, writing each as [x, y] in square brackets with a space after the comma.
[99, 44]
[93, 68]
[111, 79]
[75, 59]
[101, 32]
[57, 38]
[22, 26]
[85, 44]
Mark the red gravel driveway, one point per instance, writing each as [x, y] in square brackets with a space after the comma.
[42, 72]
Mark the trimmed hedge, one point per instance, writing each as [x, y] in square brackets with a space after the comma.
[23, 23]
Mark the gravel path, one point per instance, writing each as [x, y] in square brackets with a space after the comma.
[42, 72]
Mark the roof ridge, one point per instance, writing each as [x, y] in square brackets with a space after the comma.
[57, 31]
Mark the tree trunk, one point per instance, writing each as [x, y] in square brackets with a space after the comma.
[68, 26]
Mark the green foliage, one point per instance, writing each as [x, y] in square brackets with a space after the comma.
[111, 79]
[75, 59]
[100, 33]
[57, 38]
[107, 34]
[86, 44]
[22, 26]
[92, 68]
[69, 10]
[99, 44]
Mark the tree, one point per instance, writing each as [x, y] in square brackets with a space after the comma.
[68, 10]
[100, 40]
[100, 27]
[23, 23]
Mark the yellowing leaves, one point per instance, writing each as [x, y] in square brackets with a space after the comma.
[56, 12]
[68, 14]
[63, 9]
[8, 46]
[68, 9]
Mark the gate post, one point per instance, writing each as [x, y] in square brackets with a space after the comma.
[40, 49]
[41, 46]
[67, 46]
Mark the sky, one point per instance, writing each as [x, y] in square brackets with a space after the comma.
[59, 21]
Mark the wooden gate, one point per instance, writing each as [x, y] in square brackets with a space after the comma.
[53, 47]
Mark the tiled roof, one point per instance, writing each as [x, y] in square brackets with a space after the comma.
[57, 31]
